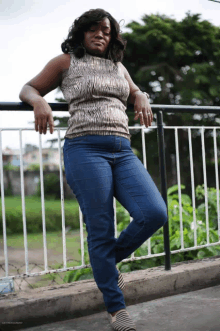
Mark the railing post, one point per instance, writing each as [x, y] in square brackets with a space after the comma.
[161, 150]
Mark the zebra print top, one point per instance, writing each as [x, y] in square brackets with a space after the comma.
[96, 92]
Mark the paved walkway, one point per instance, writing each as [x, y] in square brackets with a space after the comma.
[192, 311]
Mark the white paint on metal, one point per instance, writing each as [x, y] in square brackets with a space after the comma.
[192, 186]
[179, 187]
[23, 204]
[205, 183]
[3, 209]
[133, 258]
[217, 180]
[43, 205]
[62, 199]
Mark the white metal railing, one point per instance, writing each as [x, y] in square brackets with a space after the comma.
[83, 265]
[202, 128]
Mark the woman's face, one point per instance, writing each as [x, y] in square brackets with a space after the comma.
[97, 38]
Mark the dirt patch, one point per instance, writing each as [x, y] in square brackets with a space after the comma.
[16, 261]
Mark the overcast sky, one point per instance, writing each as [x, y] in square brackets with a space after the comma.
[32, 31]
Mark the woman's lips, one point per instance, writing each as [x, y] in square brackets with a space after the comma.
[98, 43]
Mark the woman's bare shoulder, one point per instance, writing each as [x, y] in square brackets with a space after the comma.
[63, 60]
[50, 76]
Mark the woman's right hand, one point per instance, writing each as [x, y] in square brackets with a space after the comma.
[43, 115]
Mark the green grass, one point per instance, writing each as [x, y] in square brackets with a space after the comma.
[34, 203]
[54, 241]
[15, 239]
[33, 212]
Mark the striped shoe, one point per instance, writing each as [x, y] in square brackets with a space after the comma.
[121, 321]
[121, 283]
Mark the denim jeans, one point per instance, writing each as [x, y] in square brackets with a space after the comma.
[97, 169]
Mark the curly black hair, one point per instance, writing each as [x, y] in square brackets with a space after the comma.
[73, 42]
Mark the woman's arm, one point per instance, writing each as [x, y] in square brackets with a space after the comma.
[46, 81]
[139, 99]
[134, 89]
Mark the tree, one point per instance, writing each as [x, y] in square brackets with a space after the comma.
[176, 63]
[166, 56]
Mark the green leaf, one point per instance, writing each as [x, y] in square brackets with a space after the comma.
[174, 188]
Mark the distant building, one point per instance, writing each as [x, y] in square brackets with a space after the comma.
[31, 155]
[50, 158]
[11, 156]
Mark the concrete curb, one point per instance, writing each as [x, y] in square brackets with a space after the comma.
[51, 304]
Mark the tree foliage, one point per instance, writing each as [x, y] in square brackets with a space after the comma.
[177, 62]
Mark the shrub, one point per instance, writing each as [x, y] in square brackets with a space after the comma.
[7, 167]
[157, 242]
[51, 187]
[33, 213]
[35, 167]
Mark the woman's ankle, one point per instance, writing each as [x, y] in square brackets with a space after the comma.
[115, 312]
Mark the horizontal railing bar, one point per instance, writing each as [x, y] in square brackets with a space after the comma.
[63, 106]
[191, 127]
[175, 108]
[22, 106]
[133, 127]
[47, 272]
[125, 260]
[195, 247]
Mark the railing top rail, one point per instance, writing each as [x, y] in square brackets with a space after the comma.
[136, 127]
[63, 106]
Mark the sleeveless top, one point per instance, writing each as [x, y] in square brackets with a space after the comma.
[96, 92]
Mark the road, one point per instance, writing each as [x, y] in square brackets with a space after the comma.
[192, 311]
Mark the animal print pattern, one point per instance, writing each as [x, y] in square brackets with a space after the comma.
[96, 92]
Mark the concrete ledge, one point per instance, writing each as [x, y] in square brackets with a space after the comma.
[50, 304]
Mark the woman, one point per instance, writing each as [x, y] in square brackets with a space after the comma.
[99, 162]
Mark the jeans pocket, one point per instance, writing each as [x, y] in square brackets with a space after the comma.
[76, 140]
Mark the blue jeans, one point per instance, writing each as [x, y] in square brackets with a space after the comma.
[97, 169]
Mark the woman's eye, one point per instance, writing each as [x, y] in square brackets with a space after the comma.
[107, 34]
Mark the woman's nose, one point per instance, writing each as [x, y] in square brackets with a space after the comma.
[99, 33]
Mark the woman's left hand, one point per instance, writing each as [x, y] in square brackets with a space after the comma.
[143, 109]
